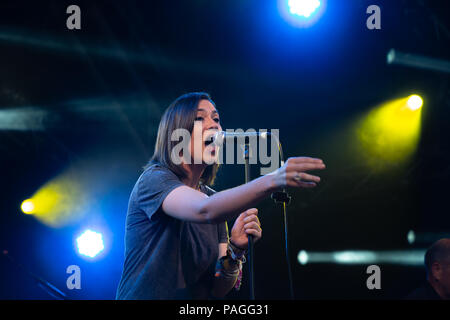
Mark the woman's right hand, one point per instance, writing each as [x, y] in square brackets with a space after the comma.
[293, 173]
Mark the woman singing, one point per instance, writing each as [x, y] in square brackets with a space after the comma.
[176, 240]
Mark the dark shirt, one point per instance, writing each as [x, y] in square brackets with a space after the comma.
[425, 292]
[166, 258]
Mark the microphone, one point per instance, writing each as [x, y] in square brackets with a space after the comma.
[220, 136]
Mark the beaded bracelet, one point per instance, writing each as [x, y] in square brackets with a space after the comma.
[232, 258]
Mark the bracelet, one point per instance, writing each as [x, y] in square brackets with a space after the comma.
[236, 252]
[235, 246]
[226, 267]
[223, 265]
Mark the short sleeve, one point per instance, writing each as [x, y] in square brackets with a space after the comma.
[223, 232]
[153, 187]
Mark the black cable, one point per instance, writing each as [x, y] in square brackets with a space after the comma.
[42, 283]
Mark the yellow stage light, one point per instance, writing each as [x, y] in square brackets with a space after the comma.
[59, 202]
[389, 134]
[27, 206]
[414, 102]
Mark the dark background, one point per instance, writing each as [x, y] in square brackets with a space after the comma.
[104, 88]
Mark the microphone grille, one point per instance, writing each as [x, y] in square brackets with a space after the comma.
[219, 136]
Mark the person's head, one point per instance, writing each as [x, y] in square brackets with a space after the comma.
[196, 114]
[437, 263]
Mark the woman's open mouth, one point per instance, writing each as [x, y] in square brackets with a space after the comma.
[209, 144]
[209, 141]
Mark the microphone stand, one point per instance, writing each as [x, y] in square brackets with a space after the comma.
[284, 198]
[281, 197]
[250, 255]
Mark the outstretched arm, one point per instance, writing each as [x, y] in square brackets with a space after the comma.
[186, 203]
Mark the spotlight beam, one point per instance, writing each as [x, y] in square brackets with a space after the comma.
[425, 238]
[22, 119]
[388, 134]
[417, 61]
[364, 257]
[148, 56]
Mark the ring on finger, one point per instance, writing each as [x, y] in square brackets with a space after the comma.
[297, 177]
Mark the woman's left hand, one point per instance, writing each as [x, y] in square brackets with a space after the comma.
[246, 224]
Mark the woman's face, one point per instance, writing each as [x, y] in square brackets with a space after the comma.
[206, 124]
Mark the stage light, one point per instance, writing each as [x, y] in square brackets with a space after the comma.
[90, 243]
[425, 238]
[361, 257]
[23, 119]
[303, 257]
[388, 135]
[27, 206]
[62, 201]
[301, 13]
[411, 236]
[414, 102]
[303, 7]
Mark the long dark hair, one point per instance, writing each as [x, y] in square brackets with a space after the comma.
[180, 114]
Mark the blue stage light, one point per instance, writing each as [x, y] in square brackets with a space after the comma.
[303, 7]
[90, 243]
[301, 13]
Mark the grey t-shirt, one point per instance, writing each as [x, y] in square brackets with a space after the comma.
[166, 258]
